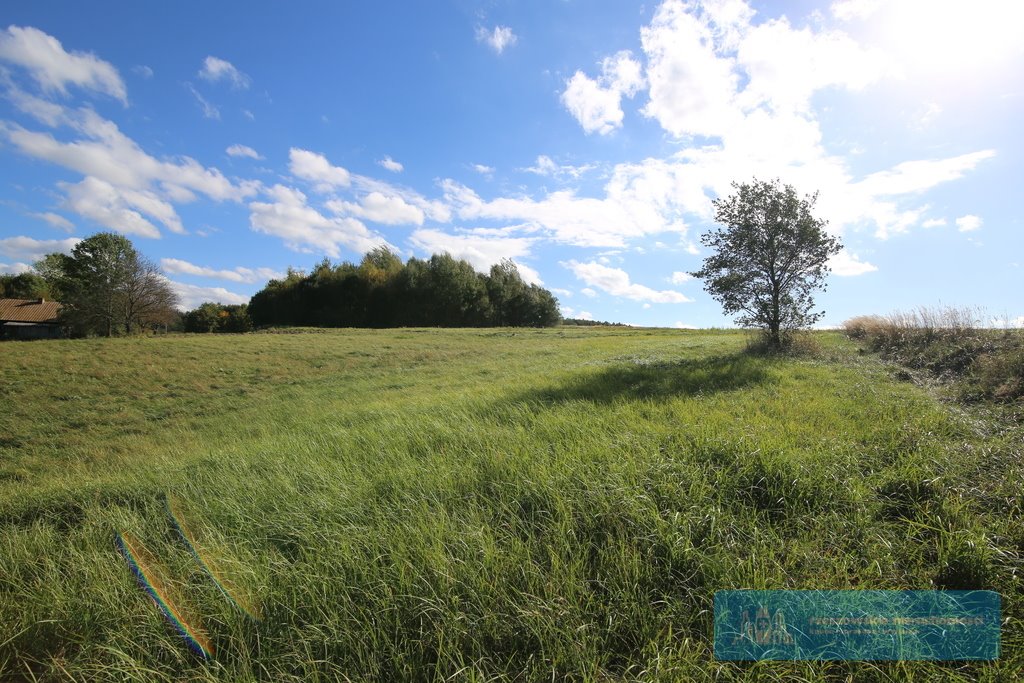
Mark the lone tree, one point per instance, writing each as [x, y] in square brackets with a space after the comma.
[770, 256]
[106, 286]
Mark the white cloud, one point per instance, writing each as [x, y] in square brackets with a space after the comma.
[587, 291]
[846, 264]
[120, 208]
[617, 283]
[55, 220]
[968, 223]
[109, 155]
[786, 66]
[191, 296]
[1008, 322]
[569, 312]
[15, 268]
[215, 69]
[546, 166]
[679, 277]
[679, 325]
[847, 10]
[239, 274]
[210, 111]
[561, 292]
[242, 151]
[934, 223]
[483, 170]
[498, 39]
[53, 68]
[143, 71]
[316, 169]
[379, 208]
[482, 252]
[391, 165]
[639, 200]
[29, 249]
[305, 229]
[918, 176]
[691, 88]
[597, 104]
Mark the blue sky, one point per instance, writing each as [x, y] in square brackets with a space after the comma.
[583, 140]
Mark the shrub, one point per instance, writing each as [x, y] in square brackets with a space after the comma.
[1000, 376]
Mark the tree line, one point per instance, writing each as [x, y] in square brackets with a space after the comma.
[381, 291]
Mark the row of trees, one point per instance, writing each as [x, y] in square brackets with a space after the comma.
[106, 287]
[383, 292]
[214, 317]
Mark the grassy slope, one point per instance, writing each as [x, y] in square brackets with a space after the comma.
[418, 504]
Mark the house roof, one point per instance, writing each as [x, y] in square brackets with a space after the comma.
[28, 311]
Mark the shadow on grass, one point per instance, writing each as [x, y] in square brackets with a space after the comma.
[658, 380]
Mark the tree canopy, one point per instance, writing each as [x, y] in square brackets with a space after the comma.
[381, 291]
[768, 259]
[106, 287]
[24, 286]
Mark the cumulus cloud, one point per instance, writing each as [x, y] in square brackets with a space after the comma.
[481, 251]
[616, 282]
[316, 169]
[391, 165]
[483, 170]
[191, 296]
[120, 208]
[934, 223]
[15, 268]
[215, 69]
[639, 200]
[968, 223]
[498, 38]
[242, 151]
[597, 103]
[53, 68]
[29, 249]
[846, 264]
[238, 274]
[303, 228]
[679, 277]
[379, 208]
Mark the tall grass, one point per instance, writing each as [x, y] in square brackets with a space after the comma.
[476, 504]
[953, 344]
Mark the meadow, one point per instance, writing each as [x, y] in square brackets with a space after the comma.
[485, 504]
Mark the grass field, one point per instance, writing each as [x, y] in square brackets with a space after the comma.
[477, 504]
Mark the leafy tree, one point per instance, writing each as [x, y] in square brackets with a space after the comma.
[106, 286]
[769, 258]
[24, 286]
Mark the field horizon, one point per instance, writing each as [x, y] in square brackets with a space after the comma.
[476, 504]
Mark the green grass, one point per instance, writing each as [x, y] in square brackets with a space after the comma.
[479, 504]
